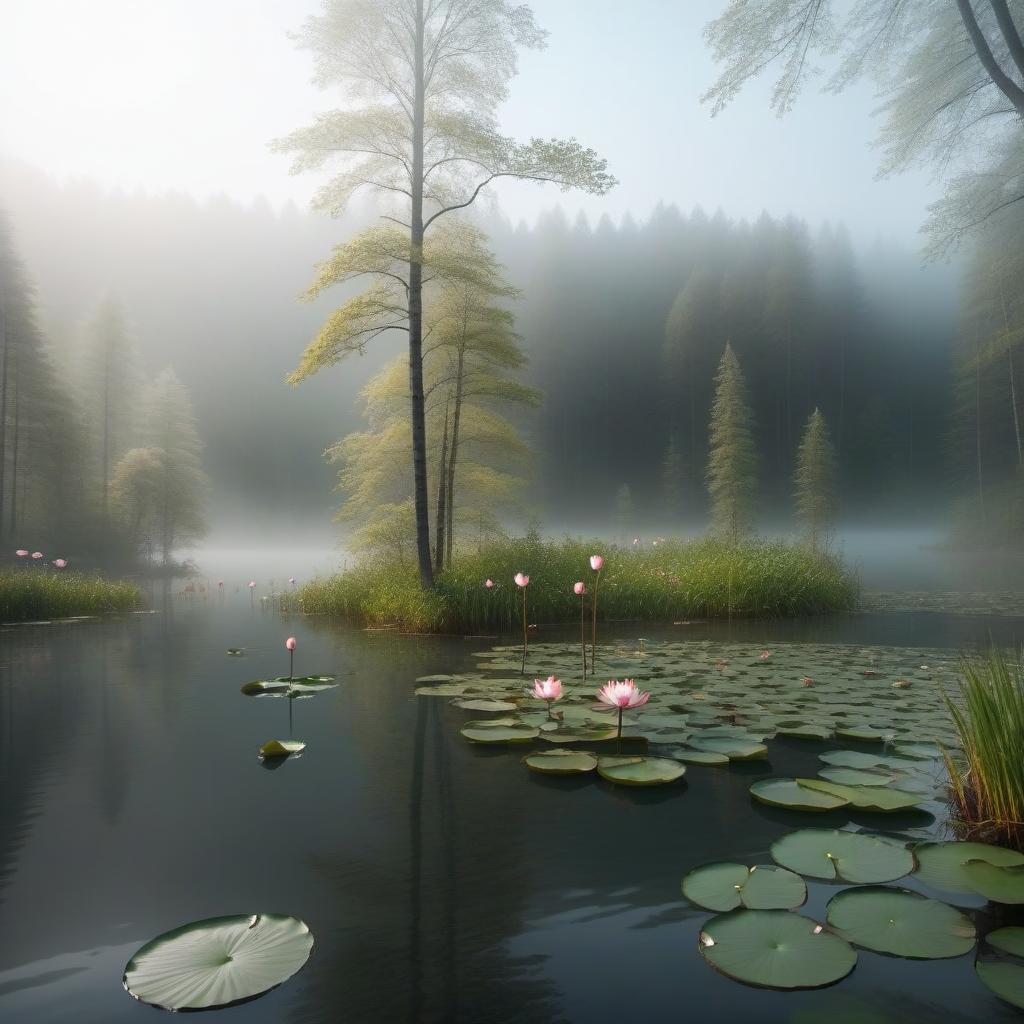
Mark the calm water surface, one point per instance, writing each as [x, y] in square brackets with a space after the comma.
[442, 882]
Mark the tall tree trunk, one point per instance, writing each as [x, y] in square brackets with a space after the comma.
[441, 519]
[419, 424]
[1013, 383]
[453, 455]
[14, 460]
[105, 457]
[3, 413]
[977, 431]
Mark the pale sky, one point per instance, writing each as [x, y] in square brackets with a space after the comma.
[185, 95]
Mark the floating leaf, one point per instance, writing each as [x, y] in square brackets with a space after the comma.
[995, 883]
[235, 652]
[483, 704]
[640, 771]
[786, 793]
[863, 733]
[281, 748]
[775, 949]
[582, 734]
[561, 762]
[498, 731]
[836, 855]
[1007, 940]
[941, 865]
[735, 750]
[866, 798]
[854, 777]
[1004, 979]
[918, 751]
[706, 757]
[218, 962]
[900, 922]
[727, 886]
[805, 732]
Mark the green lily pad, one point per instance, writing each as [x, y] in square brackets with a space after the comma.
[918, 751]
[854, 777]
[724, 887]
[561, 762]
[852, 759]
[775, 949]
[787, 793]
[483, 704]
[706, 757]
[235, 652]
[805, 732]
[1004, 979]
[863, 733]
[1007, 940]
[218, 962]
[640, 771]
[281, 748]
[995, 883]
[735, 750]
[901, 923]
[941, 865]
[582, 734]
[837, 855]
[499, 731]
[866, 798]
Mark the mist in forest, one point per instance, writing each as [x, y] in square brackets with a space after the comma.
[163, 235]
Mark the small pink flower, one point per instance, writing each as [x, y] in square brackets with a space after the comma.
[549, 689]
[21, 553]
[37, 554]
[579, 589]
[60, 563]
[622, 695]
[489, 584]
[522, 580]
[291, 643]
[765, 655]
[636, 540]
[252, 584]
[291, 579]
[596, 562]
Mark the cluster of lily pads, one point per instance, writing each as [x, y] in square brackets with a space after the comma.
[756, 937]
[712, 704]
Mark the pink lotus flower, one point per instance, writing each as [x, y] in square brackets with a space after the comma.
[291, 579]
[489, 584]
[37, 554]
[60, 563]
[252, 584]
[636, 540]
[522, 580]
[622, 695]
[579, 589]
[597, 562]
[21, 553]
[765, 655]
[549, 689]
[291, 643]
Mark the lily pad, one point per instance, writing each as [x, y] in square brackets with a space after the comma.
[483, 704]
[218, 962]
[863, 733]
[775, 949]
[640, 771]
[787, 793]
[837, 855]
[995, 883]
[706, 757]
[235, 652]
[724, 887]
[494, 731]
[582, 734]
[735, 750]
[281, 748]
[561, 762]
[941, 865]
[1007, 940]
[1004, 979]
[866, 798]
[854, 777]
[901, 923]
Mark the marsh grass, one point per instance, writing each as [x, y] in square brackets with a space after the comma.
[987, 779]
[695, 579]
[31, 593]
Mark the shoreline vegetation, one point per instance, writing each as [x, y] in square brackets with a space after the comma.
[28, 594]
[674, 580]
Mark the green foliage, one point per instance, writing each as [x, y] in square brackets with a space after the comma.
[817, 502]
[29, 594]
[674, 580]
[987, 780]
[732, 463]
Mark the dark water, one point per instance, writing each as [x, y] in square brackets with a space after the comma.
[442, 882]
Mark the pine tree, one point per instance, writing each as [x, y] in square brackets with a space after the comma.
[732, 463]
[816, 498]
[673, 477]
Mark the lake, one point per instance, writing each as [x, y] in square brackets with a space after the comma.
[442, 881]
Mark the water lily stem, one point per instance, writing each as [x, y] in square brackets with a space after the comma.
[523, 671]
[593, 634]
[583, 636]
[618, 738]
[291, 666]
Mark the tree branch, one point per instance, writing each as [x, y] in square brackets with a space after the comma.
[1006, 85]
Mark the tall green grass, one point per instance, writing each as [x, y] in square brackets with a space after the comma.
[987, 780]
[704, 578]
[30, 593]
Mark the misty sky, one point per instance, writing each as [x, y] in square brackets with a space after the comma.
[185, 94]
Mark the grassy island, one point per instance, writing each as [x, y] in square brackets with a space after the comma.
[27, 594]
[675, 579]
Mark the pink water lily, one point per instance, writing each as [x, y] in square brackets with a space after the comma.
[765, 655]
[597, 562]
[579, 589]
[252, 584]
[291, 643]
[549, 689]
[37, 554]
[291, 579]
[22, 552]
[522, 580]
[625, 694]
[60, 563]
[489, 584]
